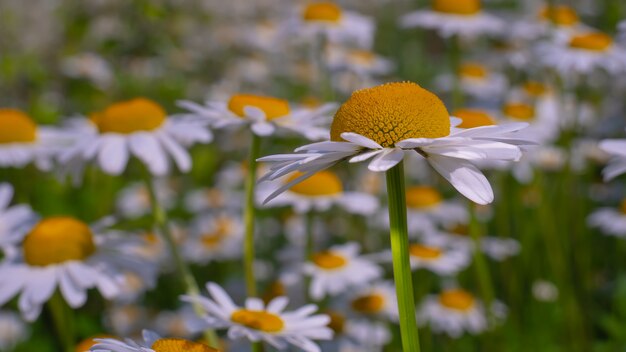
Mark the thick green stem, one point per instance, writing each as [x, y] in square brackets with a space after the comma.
[191, 286]
[249, 216]
[400, 252]
[480, 262]
[63, 321]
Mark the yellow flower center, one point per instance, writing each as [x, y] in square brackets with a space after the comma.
[392, 112]
[86, 344]
[560, 15]
[424, 252]
[272, 107]
[223, 227]
[180, 345]
[362, 57]
[369, 304]
[422, 197]
[457, 299]
[460, 230]
[130, 116]
[591, 42]
[457, 7]
[56, 240]
[329, 260]
[258, 319]
[322, 12]
[519, 111]
[16, 127]
[473, 70]
[623, 207]
[473, 118]
[535, 89]
[337, 322]
[275, 289]
[323, 183]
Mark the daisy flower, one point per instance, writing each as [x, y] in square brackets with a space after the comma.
[89, 342]
[611, 221]
[64, 253]
[214, 237]
[365, 335]
[138, 127]
[453, 312]
[318, 193]
[260, 322]
[617, 165]
[363, 63]
[438, 259]
[134, 200]
[426, 209]
[340, 267]
[376, 300]
[22, 141]
[455, 17]
[558, 21]
[151, 343]
[475, 80]
[13, 330]
[14, 220]
[383, 122]
[265, 115]
[458, 237]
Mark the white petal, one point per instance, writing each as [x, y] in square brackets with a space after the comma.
[463, 176]
[385, 161]
[146, 147]
[6, 193]
[179, 154]
[263, 128]
[360, 140]
[113, 155]
[73, 294]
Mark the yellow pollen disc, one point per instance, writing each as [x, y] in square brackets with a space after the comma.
[337, 322]
[460, 230]
[322, 11]
[86, 344]
[392, 112]
[623, 206]
[180, 345]
[424, 252]
[362, 57]
[329, 260]
[473, 118]
[535, 89]
[272, 107]
[223, 226]
[591, 42]
[560, 15]
[130, 116]
[422, 197]
[519, 111]
[258, 319]
[16, 127]
[57, 240]
[323, 183]
[473, 70]
[311, 102]
[457, 7]
[457, 300]
[275, 289]
[369, 304]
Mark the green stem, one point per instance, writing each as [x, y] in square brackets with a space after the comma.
[400, 252]
[480, 262]
[249, 215]
[191, 286]
[63, 321]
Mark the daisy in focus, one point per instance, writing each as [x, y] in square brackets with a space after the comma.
[140, 128]
[264, 322]
[64, 253]
[340, 267]
[151, 343]
[318, 193]
[381, 123]
[617, 165]
[449, 18]
[610, 220]
[265, 115]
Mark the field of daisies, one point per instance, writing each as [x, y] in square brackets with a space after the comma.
[310, 175]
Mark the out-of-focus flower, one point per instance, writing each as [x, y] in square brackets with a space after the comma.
[152, 343]
[364, 335]
[364, 63]
[495, 248]
[440, 260]
[475, 80]
[214, 237]
[545, 291]
[86, 344]
[88, 66]
[611, 221]
[13, 330]
[260, 322]
[14, 220]
[427, 209]
[134, 200]
[376, 300]
[126, 319]
[617, 165]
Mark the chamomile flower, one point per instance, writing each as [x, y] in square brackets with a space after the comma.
[454, 312]
[13, 330]
[445, 261]
[269, 322]
[337, 269]
[22, 141]
[140, 128]
[427, 209]
[455, 17]
[214, 237]
[62, 252]
[134, 200]
[14, 220]
[610, 220]
[617, 165]
[318, 193]
[495, 248]
[376, 300]
[363, 63]
[265, 115]
[151, 343]
[383, 122]
[364, 335]
[476, 80]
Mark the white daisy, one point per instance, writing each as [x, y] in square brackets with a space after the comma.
[457, 236]
[134, 200]
[427, 209]
[337, 269]
[559, 22]
[376, 300]
[317, 193]
[22, 141]
[476, 80]
[611, 221]
[363, 63]
[14, 220]
[137, 127]
[545, 291]
[364, 335]
[259, 322]
[617, 165]
[445, 261]
[455, 17]
[13, 330]
[151, 343]
[89, 66]
[385, 121]
[214, 237]
[265, 115]
[125, 319]
[63, 252]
